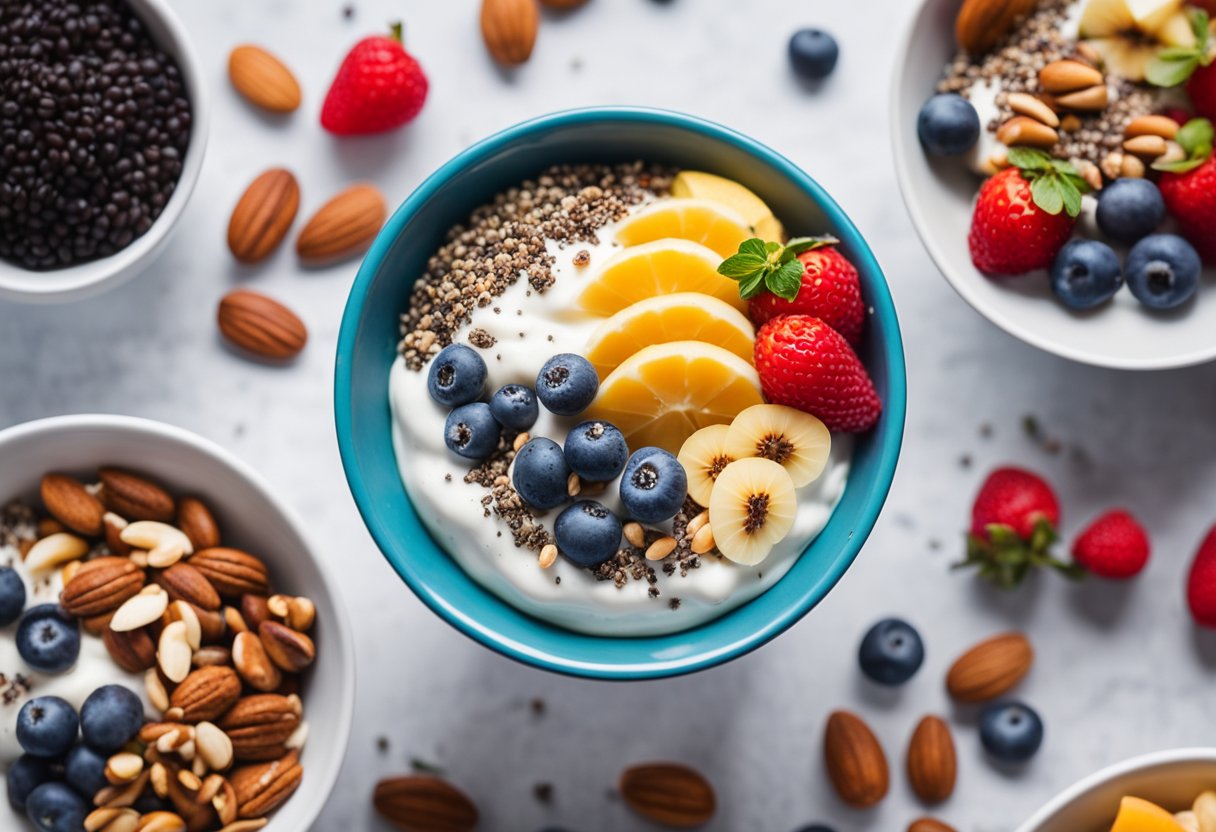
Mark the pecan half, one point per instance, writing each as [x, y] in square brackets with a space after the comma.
[101, 586]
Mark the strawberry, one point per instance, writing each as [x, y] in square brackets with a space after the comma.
[1114, 545]
[806, 364]
[378, 87]
[1191, 197]
[1201, 583]
[1201, 89]
[830, 291]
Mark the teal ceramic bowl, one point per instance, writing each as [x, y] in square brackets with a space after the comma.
[367, 347]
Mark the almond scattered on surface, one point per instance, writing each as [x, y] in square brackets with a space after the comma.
[421, 802]
[990, 668]
[261, 325]
[932, 762]
[929, 825]
[344, 226]
[509, 28]
[263, 215]
[263, 79]
[669, 794]
[856, 763]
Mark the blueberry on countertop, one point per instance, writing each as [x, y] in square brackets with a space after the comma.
[110, 717]
[891, 652]
[1129, 209]
[587, 533]
[471, 431]
[514, 406]
[567, 384]
[12, 595]
[457, 376]
[54, 807]
[1162, 271]
[948, 125]
[84, 769]
[813, 53]
[541, 474]
[596, 451]
[48, 639]
[1010, 731]
[47, 726]
[653, 486]
[1085, 274]
[25, 774]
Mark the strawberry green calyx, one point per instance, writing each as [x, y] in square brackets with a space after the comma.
[760, 266]
[396, 31]
[1196, 138]
[1055, 185]
[1006, 559]
[1174, 64]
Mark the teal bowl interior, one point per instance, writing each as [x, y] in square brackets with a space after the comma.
[367, 347]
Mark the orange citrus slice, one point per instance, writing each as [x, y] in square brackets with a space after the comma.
[659, 268]
[711, 224]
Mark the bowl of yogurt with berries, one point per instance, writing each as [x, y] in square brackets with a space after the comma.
[1056, 158]
[602, 411]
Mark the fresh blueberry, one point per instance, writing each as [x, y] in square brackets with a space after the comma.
[514, 406]
[12, 595]
[85, 771]
[471, 431]
[948, 125]
[1010, 731]
[26, 774]
[457, 376]
[110, 717]
[1129, 209]
[813, 53]
[815, 827]
[654, 485]
[1162, 271]
[47, 726]
[53, 807]
[891, 652]
[541, 475]
[596, 451]
[567, 384]
[587, 534]
[48, 639]
[1085, 274]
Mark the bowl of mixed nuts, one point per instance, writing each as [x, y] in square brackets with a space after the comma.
[172, 653]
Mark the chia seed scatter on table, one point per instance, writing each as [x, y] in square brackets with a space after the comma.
[94, 126]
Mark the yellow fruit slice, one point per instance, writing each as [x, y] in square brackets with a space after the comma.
[751, 509]
[663, 393]
[659, 268]
[797, 441]
[703, 456]
[684, 316]
[1139, 815]
[701, 185]
[711, 224]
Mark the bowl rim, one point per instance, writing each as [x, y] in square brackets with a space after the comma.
[343, 639]
[1078, 789]
[923, 225]
[96, 276]
[705, 656]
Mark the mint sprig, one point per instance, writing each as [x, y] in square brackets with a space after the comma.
[1196, 138]
[1055, 185]
[1172, 65]
[1004, 558]
[759, 266]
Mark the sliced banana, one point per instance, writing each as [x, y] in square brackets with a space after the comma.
[751, 509]
[703, 456]
[797, 441]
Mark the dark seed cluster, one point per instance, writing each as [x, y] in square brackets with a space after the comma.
[94, 126]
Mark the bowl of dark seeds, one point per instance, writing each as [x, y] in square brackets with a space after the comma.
[103, 124]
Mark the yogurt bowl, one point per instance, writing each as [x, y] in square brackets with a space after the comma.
[368, 349]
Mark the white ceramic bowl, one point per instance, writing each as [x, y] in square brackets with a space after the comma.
[88, 279]
[939, 194]
[1171, 779]
[251, 518]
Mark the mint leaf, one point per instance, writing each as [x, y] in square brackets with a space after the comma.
[786, 281]
[759, 265]
[1170, 72]
[754, 247]
[800, 244]
[1201, 25]
[1195, 135]
[1181, 166]
[1055, 184]
[1048, 194]
[752, 285]
[741, 265]
[1072, 198]
[1029, 158]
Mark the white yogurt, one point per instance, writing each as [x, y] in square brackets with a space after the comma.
[530, 329]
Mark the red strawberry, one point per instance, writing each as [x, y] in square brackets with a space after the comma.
[830, 291]
[1191, 198]
[378, 87]
[806, 364]
[1201, 89]
[1010, 234]
[1201, 583]
[1114, 545]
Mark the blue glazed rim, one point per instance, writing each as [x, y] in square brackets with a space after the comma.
[465, 604]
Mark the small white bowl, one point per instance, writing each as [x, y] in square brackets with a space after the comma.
[88, 279]
[939, 194]
[251, 517]
[1171, 779]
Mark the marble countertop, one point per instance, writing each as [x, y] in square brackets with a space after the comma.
[1121, 670]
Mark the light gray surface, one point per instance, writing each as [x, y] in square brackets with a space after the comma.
[1121, 670]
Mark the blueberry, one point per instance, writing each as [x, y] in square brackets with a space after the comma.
[567, 384]
[47, 726]
[457, 376]
[1162, 271]
[587, 533]
[1010, 731]
[541, 474]
[1129, 209]
[48, 639]
[891, 652]
[84, 770]
[514, 406]
[815, 827]
[12, 595]
[53, 807]
[1085, 274]
[471, 431]
[26, 774]
[948, 125]
[110, 717]
[813, 53]
[596, 451]
[654, 485]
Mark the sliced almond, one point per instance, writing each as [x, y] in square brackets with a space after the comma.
[1068, 76]
[548, 556]
[661, 548]
[54, 551]
[166, 544]
[635, 534]
[695, 524]
[214, 746]
[1024, 131]
[111, 819]
[140, 611]
[173, 652]
[1093, 98]
[123, 767]
[180, 611]
[155, 688]
[1151, 125]
[1027, 105]
[1147, 146]
[703, 540]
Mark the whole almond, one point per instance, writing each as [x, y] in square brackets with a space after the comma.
[670, 794]
[990, 668]
[1026, 131]
[261, 788]
[254, 610]
[101, 585]
[929, 825]
[68, 502]
[1090, 98]
[932, 762]
[261, 325]
[1151, 125]
[251, 661]
[263, 215]
[290, 650]
[133, 651]
[196, 520]
[206, 694]
[1068, 76]
[263, 79]
[856, 763]
[981, 24]
[232, 572]
[134, 497]
[1146, 145]
[344, 226]
[509, 28]
[184, 582]
[421, 803]
[1027, 105]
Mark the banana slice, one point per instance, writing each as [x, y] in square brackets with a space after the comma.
[795, 440]
[751, 509]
